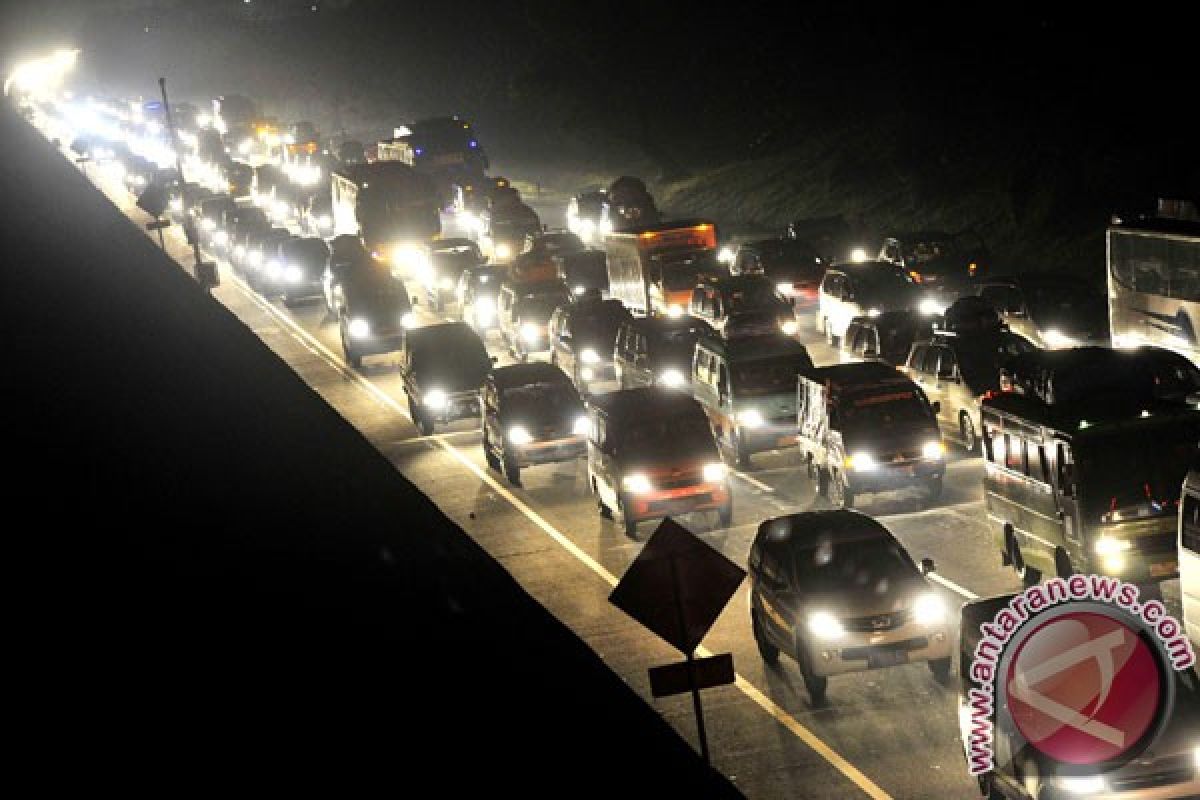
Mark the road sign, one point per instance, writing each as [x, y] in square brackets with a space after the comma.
[153, 200]
[677, 586]
[676, 678]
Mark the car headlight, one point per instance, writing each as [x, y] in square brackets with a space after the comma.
[637, 483]
[715, 472]
[671, 378]
[589, 356]
[408, 320]
[446, 283]
[861, 462]
[929, 609]
[324, 221]
[750, 418]
[824, 625]
[933, 450]
[725, 255]
[674, 310]
[790, 327]
[409, 257]
[1082, 785]
[1055, 338]
[281, 209]
[530, 332]
[239, 251]
[359, 328]
[581, 426]
[858, 255]
[176, 204]
[435, 399]
[873, 312]
[503, 250]
[220, 238]
[1109, 546]
[932, 307]
[578, 290]
[586, 374]
[484, 310]
[255, 257]
[274, 270]
[605, 227]
[245, 146]
[293, 274]
[208, 224]
[519, 436]
[784, 289]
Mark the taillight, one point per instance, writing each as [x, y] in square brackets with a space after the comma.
[916, 276]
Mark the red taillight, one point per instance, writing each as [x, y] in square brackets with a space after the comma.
[916, 276]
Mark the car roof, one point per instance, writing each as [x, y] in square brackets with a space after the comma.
[800, 530]
[765, 345]
[646, 400]
[862, 268]
[661, 322]
[866, 373]
[532, 372]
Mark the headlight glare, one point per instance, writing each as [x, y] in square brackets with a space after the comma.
[1082, 785]
[589, 356]
[790, 327]
[933, 450]
[1054, 338]
[519, 436]
[637, 483]
[929, 609]
[359, 328]
[824, 625]
[530, 332]
[861, 462]
[581, 426]
[293, 274]
[671, 378]
[750, 418]
[715, 472]
[435, 399]
[408, 320]
[1109, 546]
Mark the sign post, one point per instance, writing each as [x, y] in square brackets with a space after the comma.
[677, 587]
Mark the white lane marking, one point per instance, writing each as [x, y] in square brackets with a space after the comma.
[765, 703]
[750, 479]
[952, 586]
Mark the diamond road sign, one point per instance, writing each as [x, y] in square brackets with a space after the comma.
[677, 586]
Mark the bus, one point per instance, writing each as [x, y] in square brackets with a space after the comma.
[391, 206]
[1154, 280]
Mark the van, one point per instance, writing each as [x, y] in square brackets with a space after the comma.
[719, 301]
[747, 386]
[886, 337]
[658, 351]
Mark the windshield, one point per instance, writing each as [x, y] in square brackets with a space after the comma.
[543, 401]
[860, 565]
[559, 243]
[675, 346]
[872, 410]
[753, 296]
[1132, 475]
[763, 376]
[451, 363]
[791, 259]
[928, 250]
[1069, 301]
[667, 436]
[886, 284]
[538, 308]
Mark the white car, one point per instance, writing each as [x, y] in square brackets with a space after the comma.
[861, 290]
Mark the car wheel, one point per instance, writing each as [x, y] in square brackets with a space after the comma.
[1028, 575]
[940, 667]
[933, 491]
[768, 651]
[353, 358]
[425, 424]
[725, 515]
[836, 490]
[289, 301]
[741, 456]
[627, 519]
[967, 428]
[1062, 564]
[815, 684]
[492, 461]
[512, 470]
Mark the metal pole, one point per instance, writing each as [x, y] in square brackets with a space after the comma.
[691, 664]
[162, 85]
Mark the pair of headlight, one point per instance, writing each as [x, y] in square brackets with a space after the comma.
[520, 435]
[927, 609]
[865, 462]
[639, 483]
[531, 332]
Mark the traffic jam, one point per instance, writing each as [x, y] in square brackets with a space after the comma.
[812, 397]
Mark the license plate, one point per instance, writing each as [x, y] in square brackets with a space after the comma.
[887, 658]
[1166, 568]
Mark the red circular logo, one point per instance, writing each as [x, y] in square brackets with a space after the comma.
[1083, 688]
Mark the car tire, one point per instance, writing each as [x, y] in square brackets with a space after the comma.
[490, 457]
[967, 428]
[512, 470]
[426, 424]
[725, 515]
[289, 301]
[353, 357]
[940, 667]
[768, 651]
[1062, 564]
[933, 491]
[815, 684]
[741, 458]
[629, 524]
[1028, 575]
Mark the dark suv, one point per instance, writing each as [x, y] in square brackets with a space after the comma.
[531, 415]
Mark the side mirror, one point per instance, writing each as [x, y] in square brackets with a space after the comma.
[936, 405]
[927, 566]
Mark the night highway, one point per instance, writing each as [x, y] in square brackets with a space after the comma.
[1055, 438]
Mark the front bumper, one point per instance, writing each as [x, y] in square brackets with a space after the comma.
[894, 477]
[771, 436]
[550, 451]
[659, 503]
[378, 344]
[858, 651]
[597, 373]
[458, 406]
[308, 287]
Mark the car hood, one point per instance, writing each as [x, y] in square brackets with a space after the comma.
[887, 597]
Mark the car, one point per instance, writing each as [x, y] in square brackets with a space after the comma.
[942, 262]
[832, 238]
[271, 279]
[262, 250]
[1052, 311]
[523, 311]
[443, 368]
[531, 415]
[887, 337]
[478, 294]
[317, 214]
[374, 313]
[793, 265]
[658, 351]
[210, 214]
[447, 260]
[304, 262]
[347, 254]
[865, 289]
[583, 271]
[867, 428]
[583, 336]
[957, 370]
[1167, 769]
[747, 386]
[651, 454]
[720, 301]
[838, 593]
[588, 216]
[248, 220]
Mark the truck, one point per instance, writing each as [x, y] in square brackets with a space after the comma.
[630, 204]
[233, 116]
[391, 206]
[446, 149]
[646, 264]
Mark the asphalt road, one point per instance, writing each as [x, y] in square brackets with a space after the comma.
[889, 733]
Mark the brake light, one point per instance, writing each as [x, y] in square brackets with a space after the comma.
[916, 276]
[648, 235]
[971, 268]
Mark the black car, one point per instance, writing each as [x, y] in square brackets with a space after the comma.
[477, 293]
[658, 351]
[938, 261]
[886, 337]
[304, 262]
[1052, 311]
[531, 415]
[447, 260]
[248, 221]
[210, 215]
[793, 265]
[582, 339]
[443, 367]
[318, 214]
[375, 313]
[583, 271]
[347, 254]
[261, 264]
